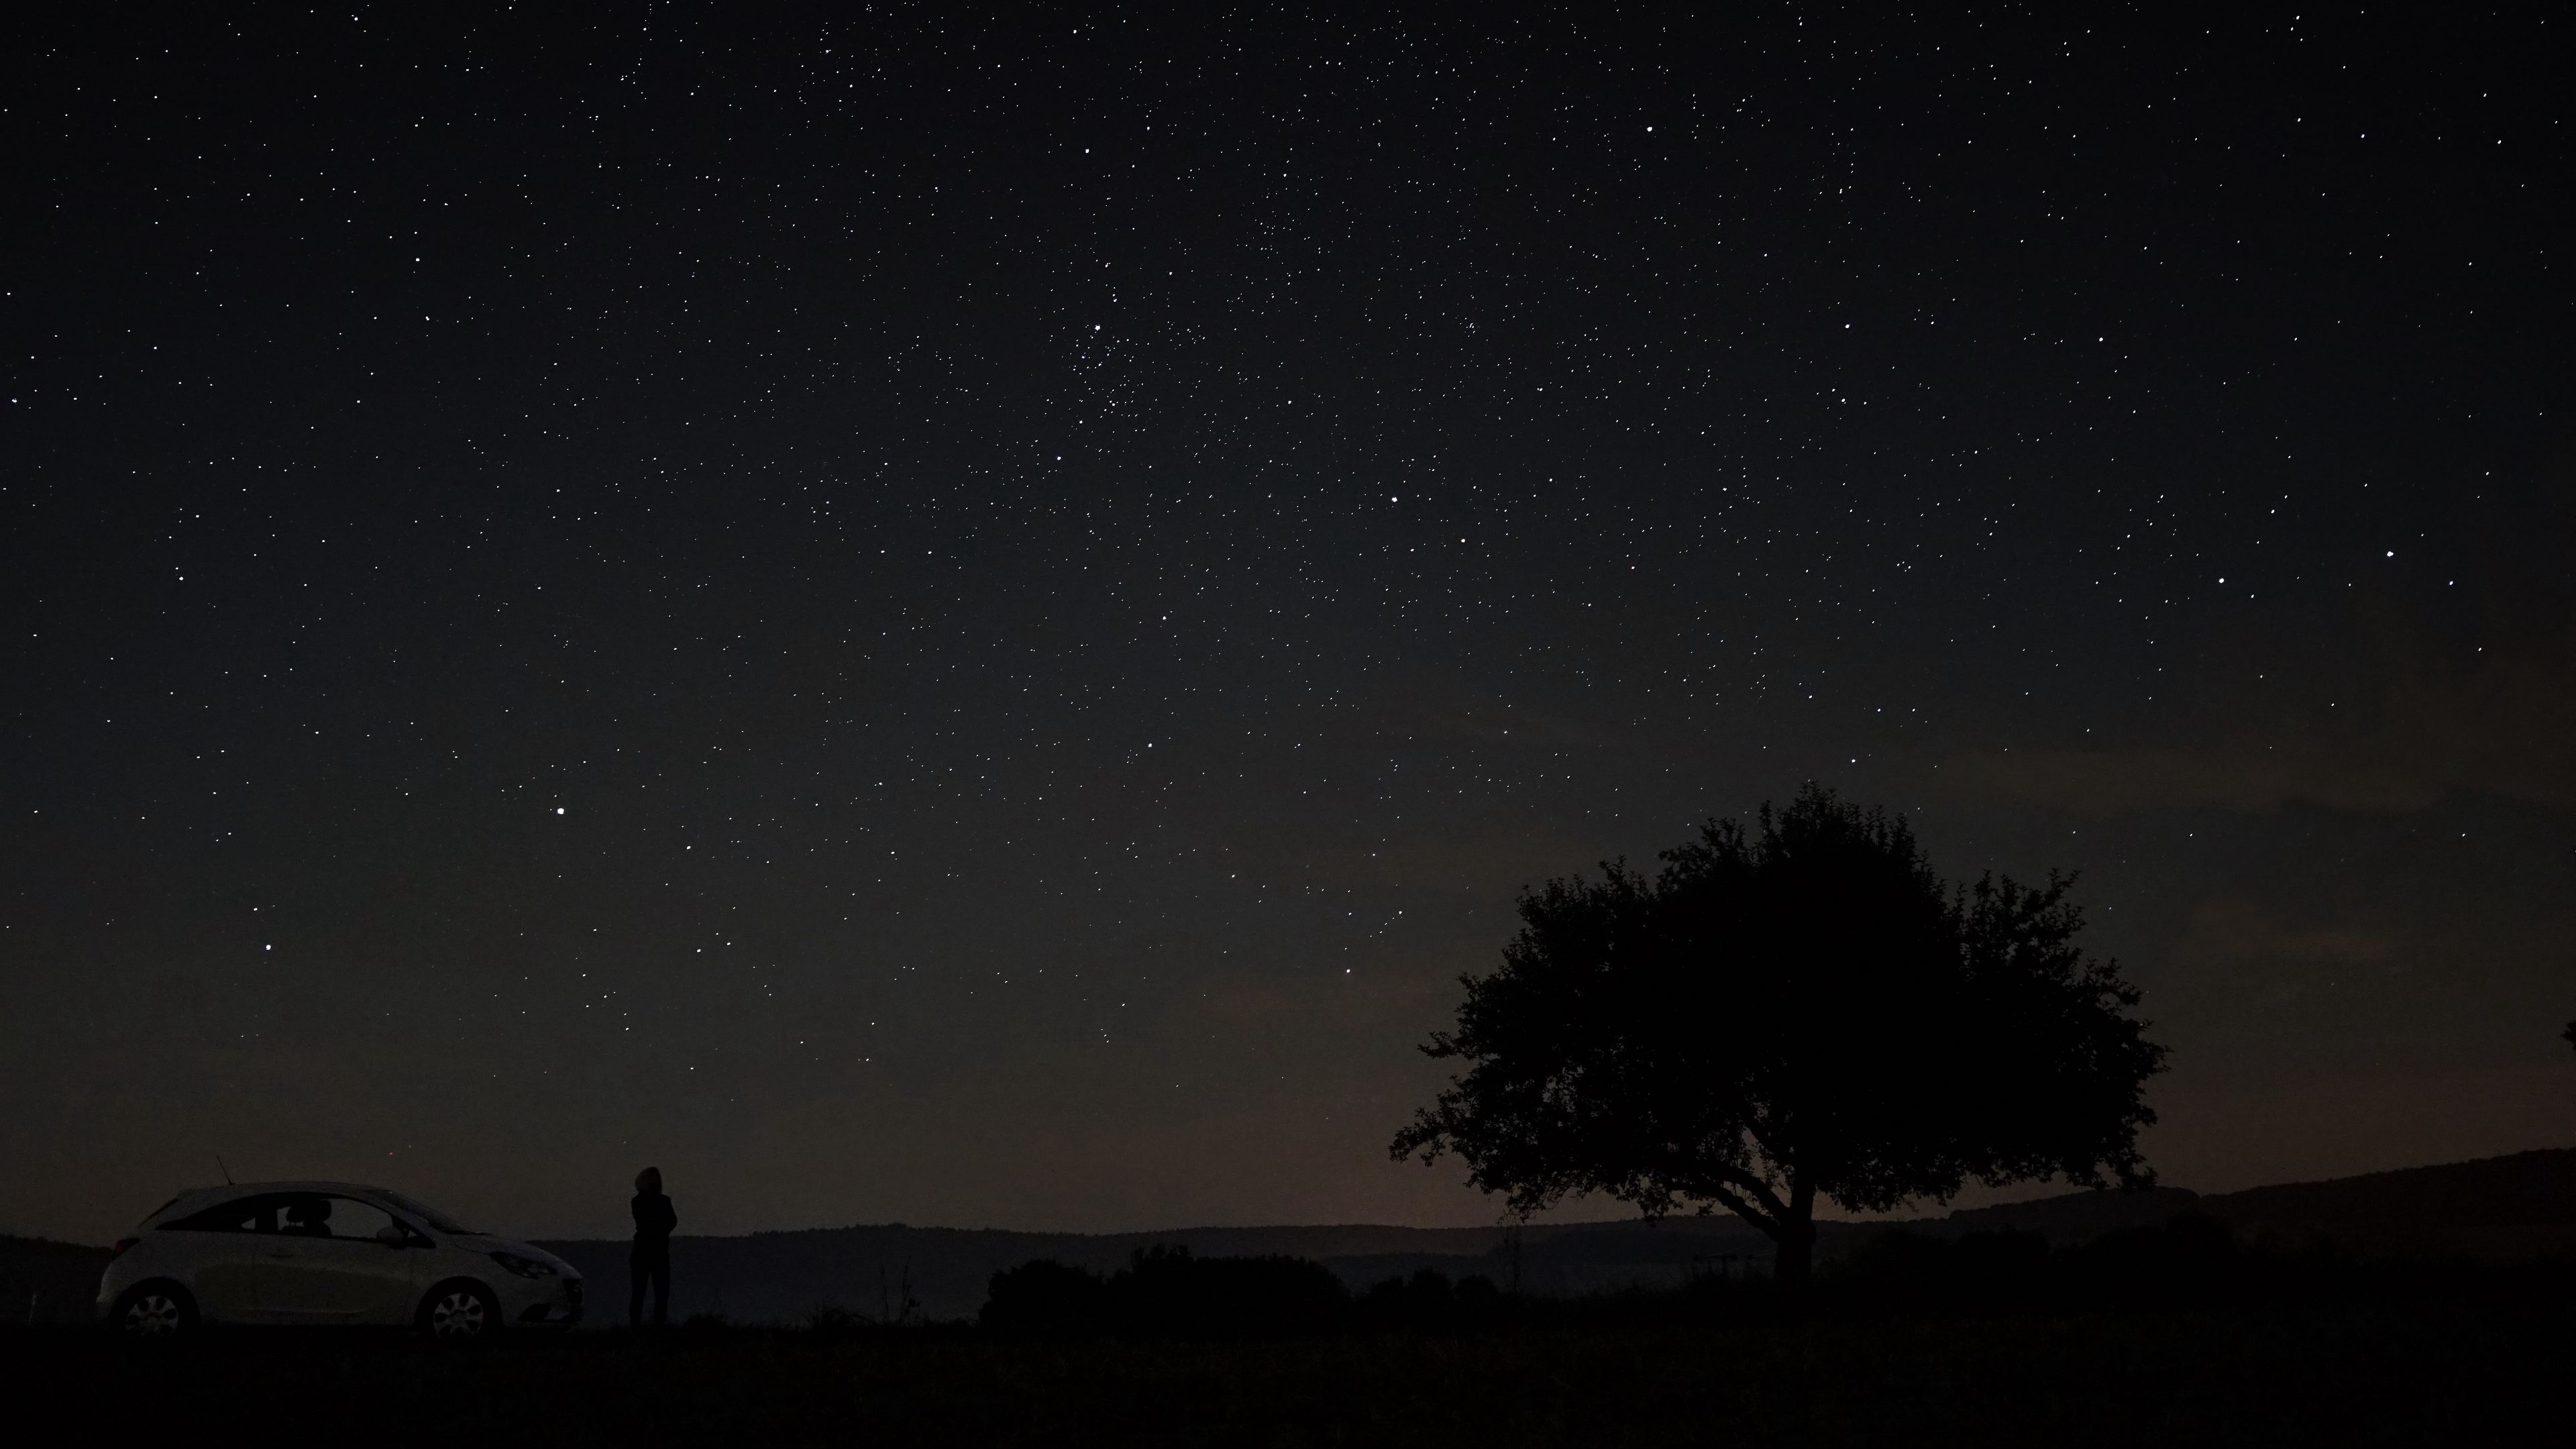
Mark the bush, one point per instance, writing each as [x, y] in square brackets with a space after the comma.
[834, 1320]
[1166, 1292]
[1043, 1297]
[1429, 1300]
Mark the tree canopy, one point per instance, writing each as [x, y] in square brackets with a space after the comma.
[1803, 1010]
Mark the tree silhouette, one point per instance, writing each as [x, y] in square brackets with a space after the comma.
[1803, 1012]
[2570, 1034]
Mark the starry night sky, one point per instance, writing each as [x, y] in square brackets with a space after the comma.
[970, 619]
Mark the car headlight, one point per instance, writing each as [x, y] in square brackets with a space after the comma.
[523, 1266]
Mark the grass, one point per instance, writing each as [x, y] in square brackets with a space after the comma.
[2345, 1374]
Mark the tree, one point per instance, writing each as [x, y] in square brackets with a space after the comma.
[1798, 1013]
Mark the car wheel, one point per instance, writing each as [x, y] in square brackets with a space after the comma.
[154, 1310]
[460, 1313]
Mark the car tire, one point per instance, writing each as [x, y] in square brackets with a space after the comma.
[154, 1310]
[460, 1312]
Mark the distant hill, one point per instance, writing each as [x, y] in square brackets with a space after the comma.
[2494, 1208]
[2073, 1217]
[42, 1281]
[2499, 1209]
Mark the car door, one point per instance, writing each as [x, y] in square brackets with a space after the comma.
[340, 1260]
[226, 1250]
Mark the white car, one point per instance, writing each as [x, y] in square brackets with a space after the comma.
[327, 1252]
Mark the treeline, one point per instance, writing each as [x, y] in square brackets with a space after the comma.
[1166, 1291]
[2190, 1263]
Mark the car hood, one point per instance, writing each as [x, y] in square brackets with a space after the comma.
[486, 1243]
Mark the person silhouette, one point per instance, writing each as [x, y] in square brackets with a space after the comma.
[651, 1259]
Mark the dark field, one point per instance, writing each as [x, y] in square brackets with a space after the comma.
[2452, 1374]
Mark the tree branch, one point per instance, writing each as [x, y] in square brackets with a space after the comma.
[1772, 1207]
[1763, 1222]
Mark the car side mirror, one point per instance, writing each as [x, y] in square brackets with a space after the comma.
[392, 1236]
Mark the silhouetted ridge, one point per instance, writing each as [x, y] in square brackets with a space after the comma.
[43, 1281]
[2074, 1217]
[2497, 1208]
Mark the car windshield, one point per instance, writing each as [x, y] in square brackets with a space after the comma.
[425, 1212]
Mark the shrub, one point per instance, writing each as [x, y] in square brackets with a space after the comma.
[1043, 1297]
[1167, 1292]
[1429, 1300]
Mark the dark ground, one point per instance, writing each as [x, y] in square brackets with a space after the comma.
[2456, 1374]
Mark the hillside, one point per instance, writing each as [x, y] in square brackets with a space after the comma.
[2494, 1208]
[2498, 1209]
[42, 1281]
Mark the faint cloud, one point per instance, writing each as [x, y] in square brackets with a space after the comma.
[2239, 776]
[2234, 930]
[1488, 853]
[2503, 725]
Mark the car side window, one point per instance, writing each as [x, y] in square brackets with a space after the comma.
[256, 1213]
[351, 1218]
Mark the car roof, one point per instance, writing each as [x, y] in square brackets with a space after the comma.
[198, 1197]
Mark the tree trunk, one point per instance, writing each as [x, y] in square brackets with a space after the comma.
[1794, 1256]
[1793, 1261]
